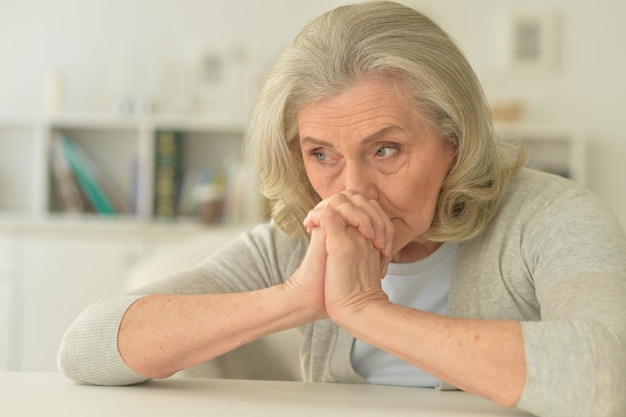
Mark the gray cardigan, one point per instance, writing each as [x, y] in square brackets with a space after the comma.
[553, 258]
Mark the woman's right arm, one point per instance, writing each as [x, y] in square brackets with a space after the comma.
[160, 335]
[131, 338]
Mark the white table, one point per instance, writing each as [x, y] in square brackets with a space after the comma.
[52, 395]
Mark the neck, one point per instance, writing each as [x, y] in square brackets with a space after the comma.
[415, 251]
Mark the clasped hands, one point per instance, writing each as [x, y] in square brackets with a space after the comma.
[349, 252]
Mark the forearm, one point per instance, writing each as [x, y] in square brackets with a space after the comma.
[162, 334]
[484, 357]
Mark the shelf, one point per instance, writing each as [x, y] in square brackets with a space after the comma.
[157, 121]
[121, 147]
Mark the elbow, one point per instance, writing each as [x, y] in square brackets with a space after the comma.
[506, 401]
[156, 372]
[507, 398]
[509, 392]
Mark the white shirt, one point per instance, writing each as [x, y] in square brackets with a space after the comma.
[423, 285]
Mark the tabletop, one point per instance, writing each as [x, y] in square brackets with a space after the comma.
[24, 394]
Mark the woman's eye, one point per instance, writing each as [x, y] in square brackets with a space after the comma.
[385, 151]
[321, 156]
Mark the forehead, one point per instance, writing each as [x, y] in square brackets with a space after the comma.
[371, 89]
[372, 100]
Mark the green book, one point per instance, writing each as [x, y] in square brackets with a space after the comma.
[167, 173]
[86, 178]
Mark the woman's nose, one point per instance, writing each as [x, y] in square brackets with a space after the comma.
[360, 179]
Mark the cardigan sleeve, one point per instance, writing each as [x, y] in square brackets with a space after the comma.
[553, 259]
[88, 352]
[576, 364]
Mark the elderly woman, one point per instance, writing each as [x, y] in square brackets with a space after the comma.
[409, 246]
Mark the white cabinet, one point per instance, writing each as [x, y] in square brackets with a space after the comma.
[7, 326]
[62, 274]
[60, 269]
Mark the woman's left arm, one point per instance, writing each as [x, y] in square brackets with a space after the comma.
[484, 357]
[575, 252]
[570, 363]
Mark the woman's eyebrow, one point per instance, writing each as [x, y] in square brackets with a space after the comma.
[315, 141]
[367, 139]
[380, 134]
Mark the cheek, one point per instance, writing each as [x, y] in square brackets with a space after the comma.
[415, 199]
[319, 182]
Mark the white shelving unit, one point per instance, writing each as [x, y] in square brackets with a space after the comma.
[123, 149]
[52, 263]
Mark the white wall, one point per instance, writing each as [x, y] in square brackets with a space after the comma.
[107, 48]
[144, 47]
[587, 90]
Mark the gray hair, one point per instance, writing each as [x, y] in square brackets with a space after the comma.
[341, 48]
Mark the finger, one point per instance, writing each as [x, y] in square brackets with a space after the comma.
[366, 215]
[380, 221]
[309, 276]
[374, 216]
[384, 230]
[353, 214]
[385, 260]
[311, 221]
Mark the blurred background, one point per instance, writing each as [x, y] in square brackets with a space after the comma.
[122, 77]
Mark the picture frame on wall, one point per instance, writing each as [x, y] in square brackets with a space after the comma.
[533, 47]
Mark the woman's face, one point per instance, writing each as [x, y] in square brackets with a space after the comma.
[371, 139]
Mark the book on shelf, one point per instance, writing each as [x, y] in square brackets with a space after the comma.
[82, 185]
[167, 173]
[116, 199]
[69, 192]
